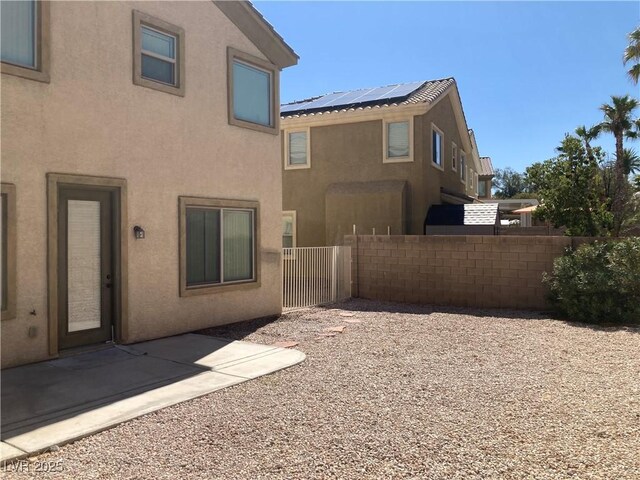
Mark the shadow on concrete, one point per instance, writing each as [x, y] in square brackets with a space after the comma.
[60, 400]
[47, 392]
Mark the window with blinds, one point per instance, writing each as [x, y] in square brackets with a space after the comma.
[397, 139]
[297, 148]
[219, 245]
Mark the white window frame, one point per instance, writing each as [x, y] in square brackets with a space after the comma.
[286, 133]
[434, 128]
[385, 140]
[463, 168]
[454, 156]
[161, 57]
[294, 229]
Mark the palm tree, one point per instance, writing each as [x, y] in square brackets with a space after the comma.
[618, 121]
[632, 54]
[588, 135]
[631, 161]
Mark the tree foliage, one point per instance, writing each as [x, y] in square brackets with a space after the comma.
[599, 282]
[508, 183]
[571, 189]
[632, 55]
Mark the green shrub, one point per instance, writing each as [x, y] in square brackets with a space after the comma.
[598, 283]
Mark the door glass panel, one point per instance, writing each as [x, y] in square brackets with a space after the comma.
[83, 265]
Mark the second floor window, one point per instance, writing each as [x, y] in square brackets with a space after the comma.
[398, 140]
[454, 156]
[482, 188]
[158, 52]
[253, 92]
[19, 32]
[297, 149]
[158, 56]
[436, 146]
[463, 167]
[24, 39]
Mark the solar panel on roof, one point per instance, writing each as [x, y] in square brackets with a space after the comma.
[363, 95]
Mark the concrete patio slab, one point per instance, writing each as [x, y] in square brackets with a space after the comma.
[55, 402]
[8, 452]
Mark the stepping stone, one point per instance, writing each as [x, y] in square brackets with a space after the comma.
[339, 329]
[347, 314]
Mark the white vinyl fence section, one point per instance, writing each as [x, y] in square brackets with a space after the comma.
[315, 275]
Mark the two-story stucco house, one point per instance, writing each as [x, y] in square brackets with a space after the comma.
[141, 183]
[376, 159]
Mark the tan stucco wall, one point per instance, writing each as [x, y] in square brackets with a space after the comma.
[353, 152]
[92, 120]
[442, 116]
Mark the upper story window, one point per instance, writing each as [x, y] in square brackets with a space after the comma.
[482, 188]
[454, 156]
[463, 167]
[158, 56]
[253, 92]
[297, 148]
[471, 174]
[437, 138]
[158, 52]
[397, 141]
[24, 41]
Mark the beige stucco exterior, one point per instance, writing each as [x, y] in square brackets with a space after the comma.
[90, 119]
[346, 153]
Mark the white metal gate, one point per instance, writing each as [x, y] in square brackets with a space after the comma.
[315, 275]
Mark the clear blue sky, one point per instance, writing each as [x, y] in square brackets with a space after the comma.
[527, 71]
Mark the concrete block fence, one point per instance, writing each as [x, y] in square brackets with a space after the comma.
[456, 270]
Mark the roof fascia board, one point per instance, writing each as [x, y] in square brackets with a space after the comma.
[462, 124]
[258, 31]
[342, 117]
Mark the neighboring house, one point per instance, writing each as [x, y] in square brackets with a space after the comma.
[376, 159]
[485, 177]
[141, 189]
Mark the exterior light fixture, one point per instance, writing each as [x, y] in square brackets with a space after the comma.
[138, 232]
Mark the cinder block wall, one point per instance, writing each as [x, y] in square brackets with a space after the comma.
[457, 270]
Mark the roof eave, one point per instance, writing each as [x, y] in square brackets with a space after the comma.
[255, 27]
[352, 115]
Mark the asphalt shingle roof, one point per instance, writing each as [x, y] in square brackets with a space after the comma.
[427, 92]
[466, 214]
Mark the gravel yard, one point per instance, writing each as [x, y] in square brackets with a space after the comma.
[403, 391]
